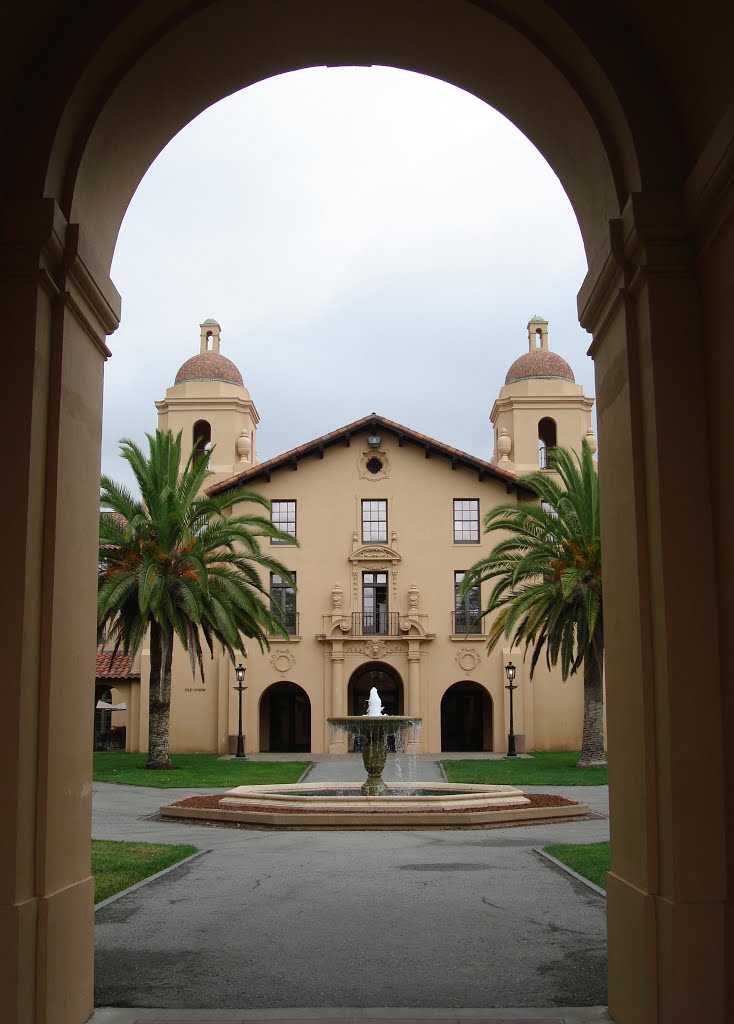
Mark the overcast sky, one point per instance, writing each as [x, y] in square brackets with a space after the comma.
[369, 240]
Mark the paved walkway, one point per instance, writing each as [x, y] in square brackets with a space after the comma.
[283, 923]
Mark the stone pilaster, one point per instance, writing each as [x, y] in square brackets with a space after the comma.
[61, 308]
[666, 890]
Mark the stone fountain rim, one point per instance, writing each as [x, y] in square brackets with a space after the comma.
[375, 718]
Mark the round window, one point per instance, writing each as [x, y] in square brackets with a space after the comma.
[374, 465]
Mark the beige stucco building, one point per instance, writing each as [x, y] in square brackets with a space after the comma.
[387, 520]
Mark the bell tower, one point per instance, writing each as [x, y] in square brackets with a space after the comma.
[211, 406]
[539, 408]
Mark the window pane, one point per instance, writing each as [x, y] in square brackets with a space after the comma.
[466, 520]
[283, 516]
[374, 520]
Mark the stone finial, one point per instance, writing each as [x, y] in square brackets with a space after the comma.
[591, 440]
[244, 447]
[413, 597]
[336, 596]
[504, 445]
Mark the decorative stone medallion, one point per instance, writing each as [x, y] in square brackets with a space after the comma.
[282, 661]
[467, 659]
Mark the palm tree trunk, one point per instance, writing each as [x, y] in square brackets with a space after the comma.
[592, 747]
[159, 697]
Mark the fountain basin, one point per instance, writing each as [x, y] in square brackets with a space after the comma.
[432, 805]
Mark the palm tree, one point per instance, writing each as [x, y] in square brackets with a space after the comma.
[547, 581]
[178, 563]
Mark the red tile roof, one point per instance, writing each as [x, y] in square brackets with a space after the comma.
[120, 669]
[371, 422]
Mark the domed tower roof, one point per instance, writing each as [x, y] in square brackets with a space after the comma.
[539, 361]
[209, 364]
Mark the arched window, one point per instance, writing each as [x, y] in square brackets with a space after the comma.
[547, 440]
[202, 439]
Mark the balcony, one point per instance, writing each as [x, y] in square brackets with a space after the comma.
[375, 624]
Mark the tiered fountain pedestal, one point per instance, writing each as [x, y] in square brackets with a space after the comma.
[375, 731]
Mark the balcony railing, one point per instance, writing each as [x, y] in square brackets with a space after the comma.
[464, 622]
[375, 624]
[290, 620]
[546, 456]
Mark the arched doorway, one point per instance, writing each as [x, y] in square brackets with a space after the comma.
[389, 685]
[642, 154]
[387, 681]
[285, 719]
[466, 717]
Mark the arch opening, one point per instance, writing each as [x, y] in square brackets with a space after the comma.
[202, 439]
[389, 685]
[547, 441]
[285, 719]
[467, 713]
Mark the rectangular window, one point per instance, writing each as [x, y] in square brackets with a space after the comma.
[283, 515]
[374, 603]
[283, 601]
[374, 522]
[466, 608]
[466, 520]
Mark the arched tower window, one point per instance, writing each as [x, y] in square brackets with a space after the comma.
[202, 439]
[547, 441]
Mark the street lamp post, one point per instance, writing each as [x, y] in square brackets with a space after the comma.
[240, 673]
[510, 673]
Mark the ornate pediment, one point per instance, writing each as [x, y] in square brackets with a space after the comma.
[374, 553]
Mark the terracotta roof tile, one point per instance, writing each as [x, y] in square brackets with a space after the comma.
[120, 669]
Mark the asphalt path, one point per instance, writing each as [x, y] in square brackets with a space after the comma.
[440, 918]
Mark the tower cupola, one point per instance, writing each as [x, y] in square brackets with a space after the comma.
[211, 406]
[210, 364]
[539, 408]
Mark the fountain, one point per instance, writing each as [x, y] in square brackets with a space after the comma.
[374, 729]
[372, 805]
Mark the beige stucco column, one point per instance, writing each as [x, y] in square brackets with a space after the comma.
[338, 745]
[132, 739]
[223, 683]
[414, 688]
[667, 885]
[59, 308]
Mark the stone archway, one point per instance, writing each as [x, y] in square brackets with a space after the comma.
[387, 681]
[285, 719]
[389, 685]
[466, 717]
[645, 157]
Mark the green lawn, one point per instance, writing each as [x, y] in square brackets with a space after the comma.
[195, 770]
[544, 769]
[589, 859]
[115, 866]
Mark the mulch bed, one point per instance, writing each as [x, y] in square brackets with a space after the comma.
[536, 800]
